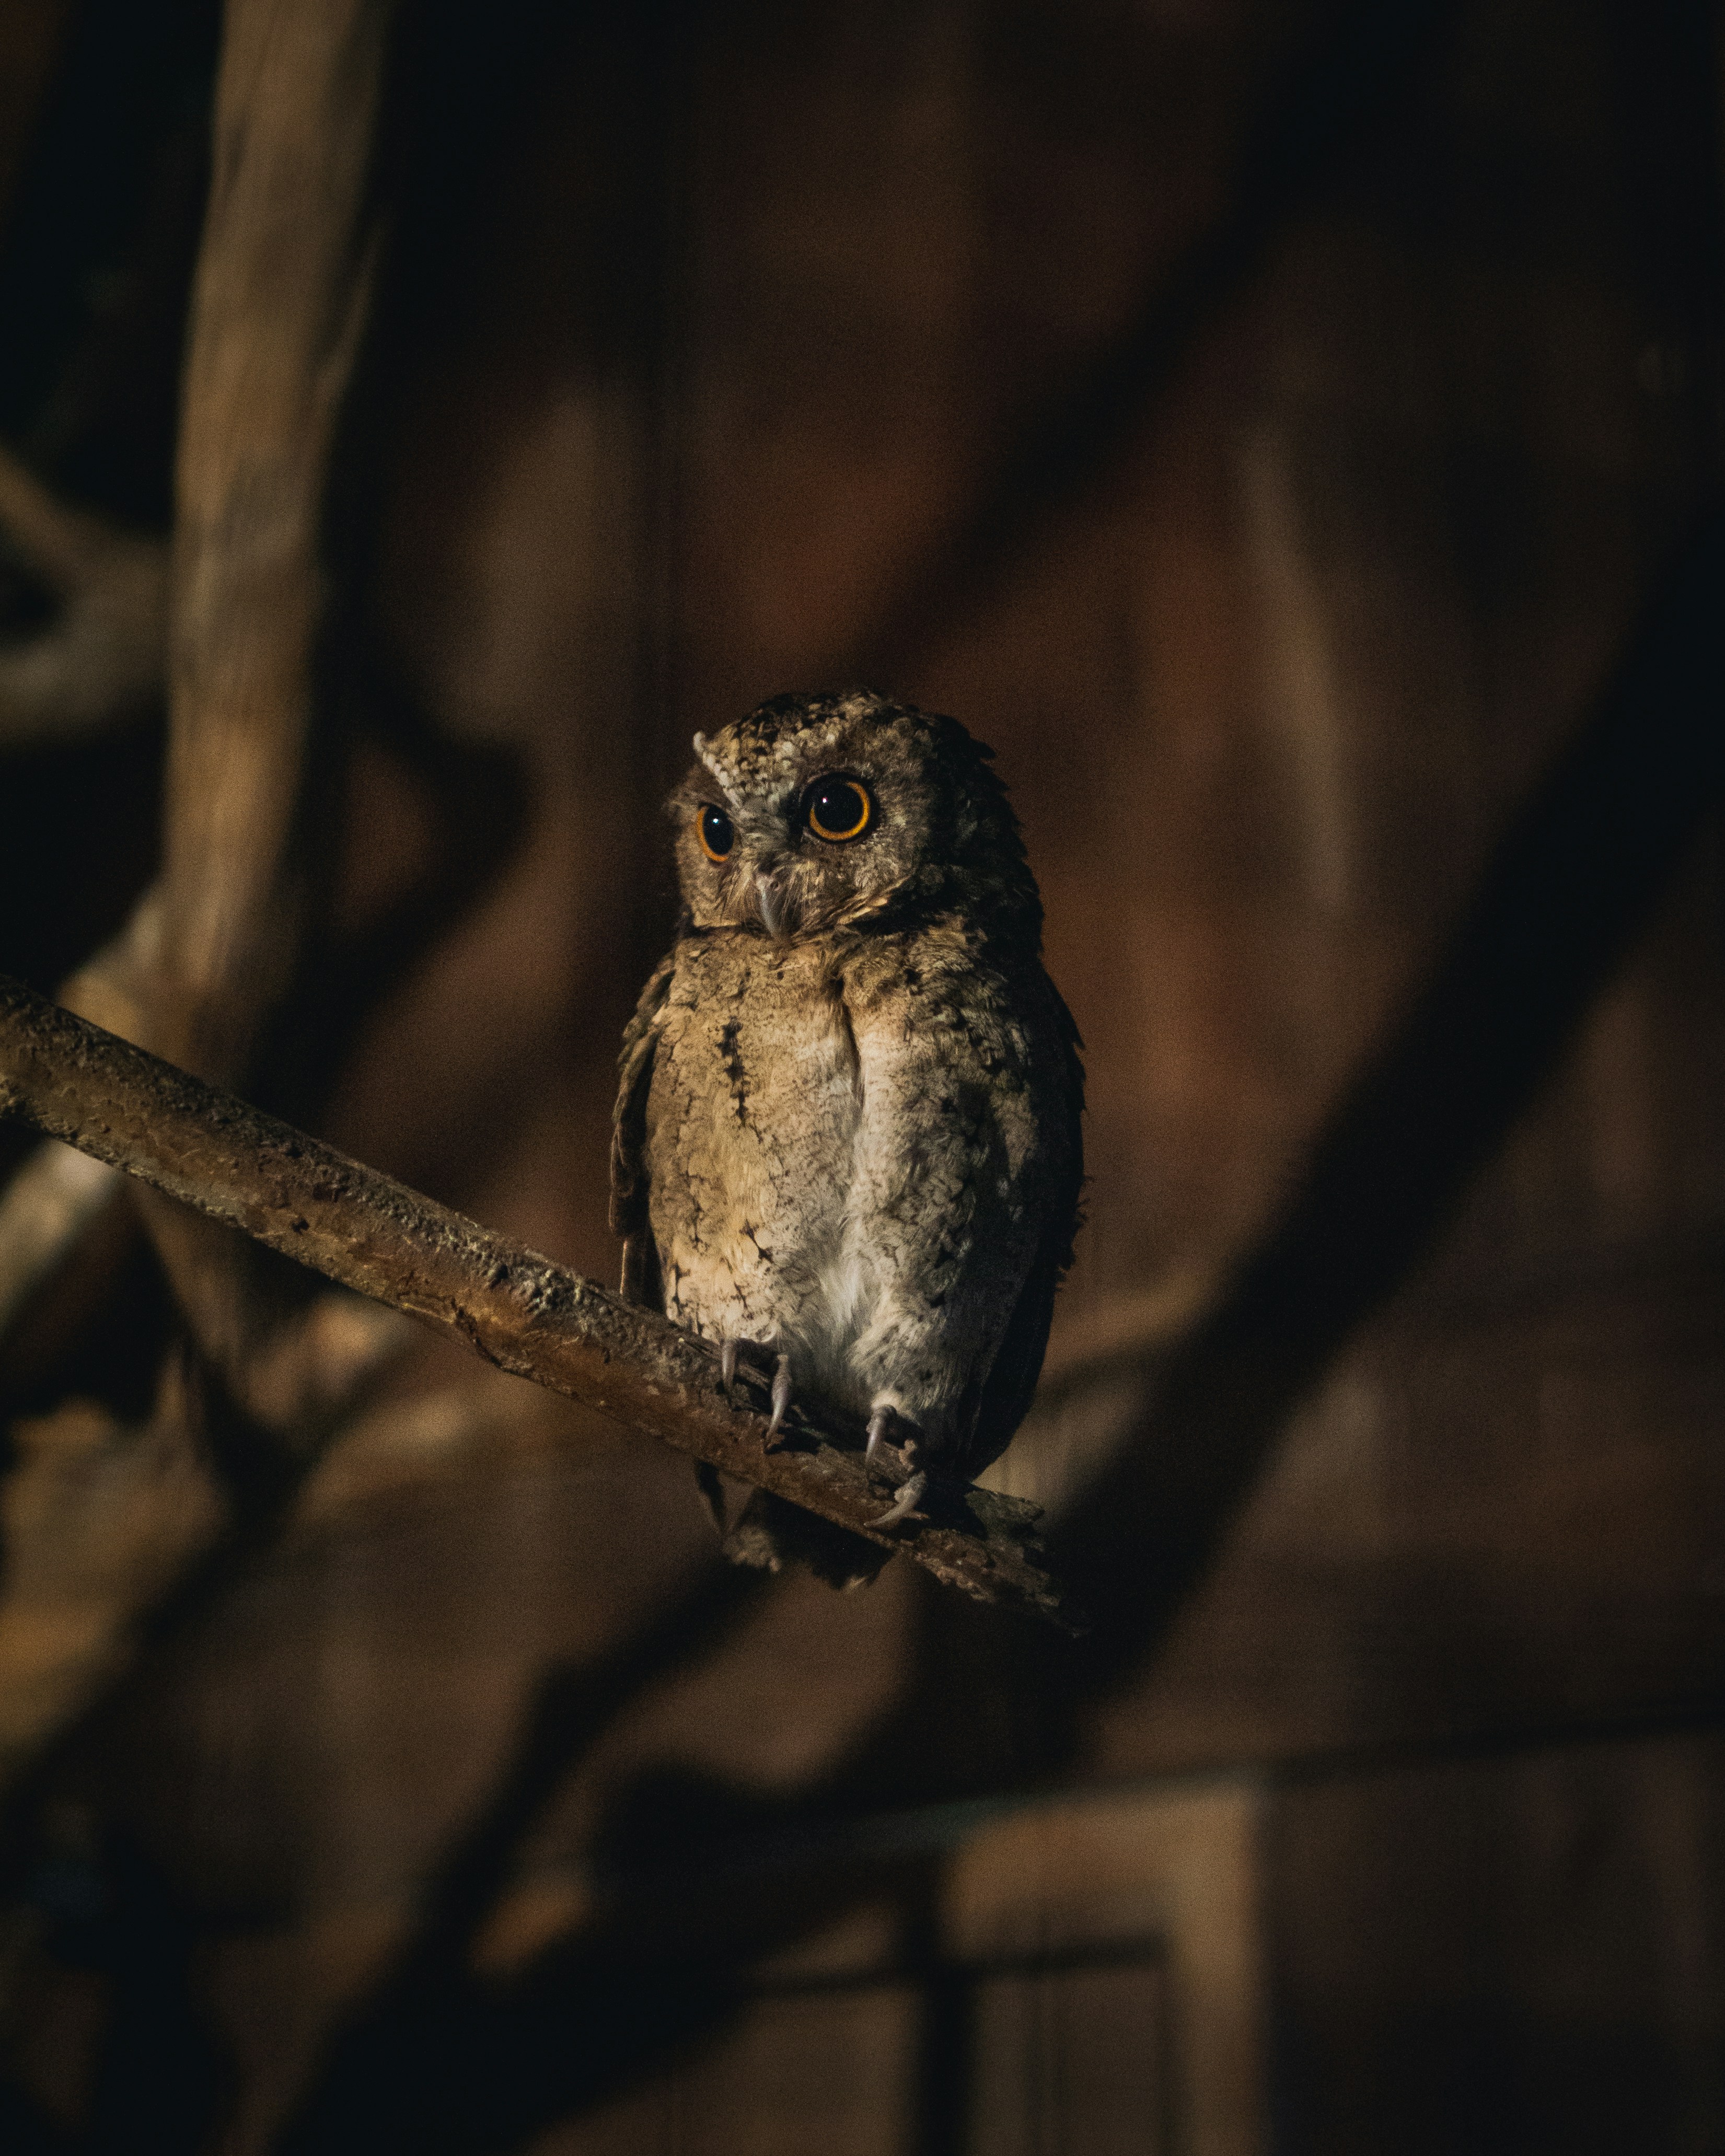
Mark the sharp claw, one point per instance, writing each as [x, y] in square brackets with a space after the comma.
[878, 1424]
[781, 1396]
[904, 1505]
[728, 1364]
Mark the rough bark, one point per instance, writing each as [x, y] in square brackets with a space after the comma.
[509, 1304]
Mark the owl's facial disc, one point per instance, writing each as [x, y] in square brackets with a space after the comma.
[748, 846]
[790, 860]
[811, 814]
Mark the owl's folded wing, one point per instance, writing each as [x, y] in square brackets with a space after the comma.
[969, 1168]
[1011, 1382]
[640, 1282]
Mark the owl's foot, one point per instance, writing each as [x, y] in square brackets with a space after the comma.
[904, 1505]
[728, 1352]
[882, 1455]
[898, 1462]
[781, 1397]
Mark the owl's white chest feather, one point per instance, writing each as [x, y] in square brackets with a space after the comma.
[832, 1290]
[759, 1232]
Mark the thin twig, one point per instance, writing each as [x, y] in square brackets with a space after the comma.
[518, 1309]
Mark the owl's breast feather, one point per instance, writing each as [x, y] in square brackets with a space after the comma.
[753, 1118]
[847, 1163]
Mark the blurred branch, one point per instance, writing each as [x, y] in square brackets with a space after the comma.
[281, 297]
[282, 293]
[99, 1519]
[279, 306]
[44, 1211]
[516, 1309]
[99, 660]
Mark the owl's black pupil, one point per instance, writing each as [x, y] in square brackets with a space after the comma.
[837, 808]
[716, 829]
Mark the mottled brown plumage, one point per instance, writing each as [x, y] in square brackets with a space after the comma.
[848, 1126]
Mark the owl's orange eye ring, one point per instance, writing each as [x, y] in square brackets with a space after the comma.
[838, 809]
[716, 832]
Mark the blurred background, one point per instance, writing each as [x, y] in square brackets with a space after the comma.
[1281, 429]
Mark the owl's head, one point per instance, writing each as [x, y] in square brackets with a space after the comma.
[819, 812]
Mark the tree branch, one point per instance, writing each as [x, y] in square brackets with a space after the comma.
[72, 1082]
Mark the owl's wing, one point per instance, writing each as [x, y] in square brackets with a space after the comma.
[1011, 1382]
[966, 1185]
[640, 1282]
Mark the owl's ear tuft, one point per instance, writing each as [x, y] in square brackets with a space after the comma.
[710, 763]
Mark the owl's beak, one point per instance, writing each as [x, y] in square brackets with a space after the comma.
[771, 901]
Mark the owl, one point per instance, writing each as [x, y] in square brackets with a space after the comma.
[847, 1134]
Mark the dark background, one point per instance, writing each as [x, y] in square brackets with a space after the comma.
[1271, 425]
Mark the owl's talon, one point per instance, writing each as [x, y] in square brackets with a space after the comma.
[879, 1423]
[904, 1505]
[728, 1364]
[781, 1396]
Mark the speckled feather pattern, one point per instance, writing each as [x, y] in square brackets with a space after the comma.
[856, 1141]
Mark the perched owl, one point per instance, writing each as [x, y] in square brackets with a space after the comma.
[847, 1133]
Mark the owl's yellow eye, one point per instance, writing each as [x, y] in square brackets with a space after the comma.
[838, 809]
[718, 834]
